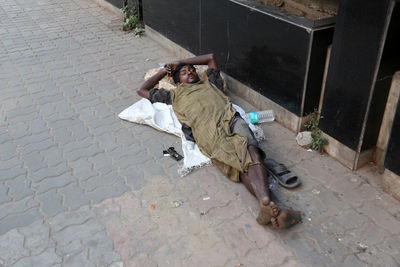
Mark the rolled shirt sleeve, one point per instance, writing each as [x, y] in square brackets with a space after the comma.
[214, 76]
[160, 95]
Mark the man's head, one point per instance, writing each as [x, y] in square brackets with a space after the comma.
[185, 73]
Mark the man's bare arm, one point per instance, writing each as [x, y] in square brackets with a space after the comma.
[150, 83]
[199, 60]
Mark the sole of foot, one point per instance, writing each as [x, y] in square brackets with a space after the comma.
[286, 219]
[265, 215]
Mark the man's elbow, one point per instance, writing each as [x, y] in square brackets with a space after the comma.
[143, 93]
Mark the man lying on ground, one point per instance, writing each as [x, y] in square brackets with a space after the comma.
[208, 118]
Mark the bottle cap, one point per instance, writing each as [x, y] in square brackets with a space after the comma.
[254, 117]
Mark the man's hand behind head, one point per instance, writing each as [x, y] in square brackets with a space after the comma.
[170, 67]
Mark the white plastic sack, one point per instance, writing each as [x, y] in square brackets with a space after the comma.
[161, 117]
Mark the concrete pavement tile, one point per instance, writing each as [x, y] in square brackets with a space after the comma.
[37, 147]
[51, 203]
[8, 164]
[128, 156]
[134, 177]
[339, 225]
[305, 250]
[102, 162]
[73, 196]
[141, 259]
[107, 141]
[390, 247]
[34, 162]
[83, 153]
[371, 257]
[54, 182]
[16, 207]
[380, 217]
[80, 132]
[50, 172]
[84, 143]
[53, 155]
[102, 193]
[47, 258]
[37, 237]
[20, 187]
[12, 247]
[364, 238]
[7, 151]
[253, 258]
[75, 254]
[261, 236]
[101, 251]
[150, 169]
[357, 196]
[18, 130]
[235, 238]
[100, 181]
[82, 169]
[32, 139]
[328, 241]
[291, 263]
[276, 254]
[351, 261]
[19, 220]
[4, 197]
[77, 232]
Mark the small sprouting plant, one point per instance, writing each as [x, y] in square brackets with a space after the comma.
[132, 18]
[317, 140]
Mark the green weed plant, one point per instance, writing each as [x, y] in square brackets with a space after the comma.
[132, 19]
[317, 140]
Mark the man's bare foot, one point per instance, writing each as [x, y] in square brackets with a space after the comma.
[285, 218]
[268, 210]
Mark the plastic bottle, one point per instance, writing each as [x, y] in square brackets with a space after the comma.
[260, 116]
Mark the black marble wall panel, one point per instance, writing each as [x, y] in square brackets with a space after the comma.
[178, 20]
[375, 115]
[392, 160]
[390, 63]
[272, 62]
[215, 30]
[321, 39]
[354, 58]
[251, 44]
[116, 3]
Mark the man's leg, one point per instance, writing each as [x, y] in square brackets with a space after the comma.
[256, 181]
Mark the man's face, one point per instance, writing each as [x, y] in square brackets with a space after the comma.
[188, 74]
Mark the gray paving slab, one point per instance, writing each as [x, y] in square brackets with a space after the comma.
[77, 184]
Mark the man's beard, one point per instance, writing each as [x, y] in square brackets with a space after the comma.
[195, 81]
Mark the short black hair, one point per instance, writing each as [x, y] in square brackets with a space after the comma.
[175, 75]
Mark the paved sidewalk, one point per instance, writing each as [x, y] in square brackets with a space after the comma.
[77, 183]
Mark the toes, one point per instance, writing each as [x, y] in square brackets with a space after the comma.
[265, 201]
[274, 222]
[274, 209]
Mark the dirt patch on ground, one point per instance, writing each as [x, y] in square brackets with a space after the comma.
[309, 9]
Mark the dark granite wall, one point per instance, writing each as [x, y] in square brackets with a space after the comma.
[392, 160]
[178, 20]
[391, 61]
[354, 58]
[116, 3]
[269, 55]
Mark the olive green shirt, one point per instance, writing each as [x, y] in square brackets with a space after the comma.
[209, 113]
